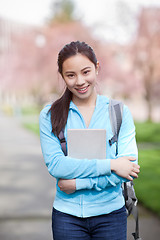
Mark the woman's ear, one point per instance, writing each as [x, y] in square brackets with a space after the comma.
[97, 67]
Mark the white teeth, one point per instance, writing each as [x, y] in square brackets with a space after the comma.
[82, 89]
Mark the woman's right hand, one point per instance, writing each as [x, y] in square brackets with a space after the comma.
[124, 167]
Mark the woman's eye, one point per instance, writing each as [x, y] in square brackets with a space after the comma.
[86, 72]
[70, 75]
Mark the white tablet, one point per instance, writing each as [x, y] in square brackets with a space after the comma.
[86, 143]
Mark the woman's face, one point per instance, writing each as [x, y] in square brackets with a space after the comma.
[80, 76]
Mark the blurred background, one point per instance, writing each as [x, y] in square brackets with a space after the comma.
[125, 36]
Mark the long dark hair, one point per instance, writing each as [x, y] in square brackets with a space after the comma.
[60, 108]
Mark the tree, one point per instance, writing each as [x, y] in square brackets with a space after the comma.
[30, 67]
[62, 11]
[146, 51]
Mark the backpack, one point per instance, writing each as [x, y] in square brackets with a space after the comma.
[115, 113]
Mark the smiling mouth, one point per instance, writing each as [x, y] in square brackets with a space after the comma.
[82, 90]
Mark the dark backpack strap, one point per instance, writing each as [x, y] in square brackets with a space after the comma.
[63, 142]
[115, 113]
[131, 205]
[135, 215]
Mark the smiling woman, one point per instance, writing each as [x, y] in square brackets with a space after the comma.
[78, 65]
[79, 74]
[89, 202]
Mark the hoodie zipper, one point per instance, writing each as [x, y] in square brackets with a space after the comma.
[80, 115]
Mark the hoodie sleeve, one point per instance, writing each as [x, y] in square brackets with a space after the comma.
[60, 166]
[98, 183]
[126, 147]
[126, 141]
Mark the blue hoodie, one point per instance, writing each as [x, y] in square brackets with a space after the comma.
[98, 189]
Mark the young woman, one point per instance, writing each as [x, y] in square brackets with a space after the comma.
[89, 203]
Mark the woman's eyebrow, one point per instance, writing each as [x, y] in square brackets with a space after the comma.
[85, 68]
[69, 72]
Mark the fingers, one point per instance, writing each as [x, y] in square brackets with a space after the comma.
[136, 168]
[134, 172]
[129, 178]
[131, 158]
[69, 191]
[136, 165]
[132, 176]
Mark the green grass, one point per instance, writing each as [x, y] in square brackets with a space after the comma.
[147, 185]
[30, 110]
[31, 124]
[148, 132]
[34, 127]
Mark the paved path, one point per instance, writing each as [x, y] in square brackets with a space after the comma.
[27, 190]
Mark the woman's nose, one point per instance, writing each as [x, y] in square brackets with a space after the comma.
[80, 80]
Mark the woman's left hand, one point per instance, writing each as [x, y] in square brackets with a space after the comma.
[67, 185]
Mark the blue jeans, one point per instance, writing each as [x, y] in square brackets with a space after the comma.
[111, 226]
